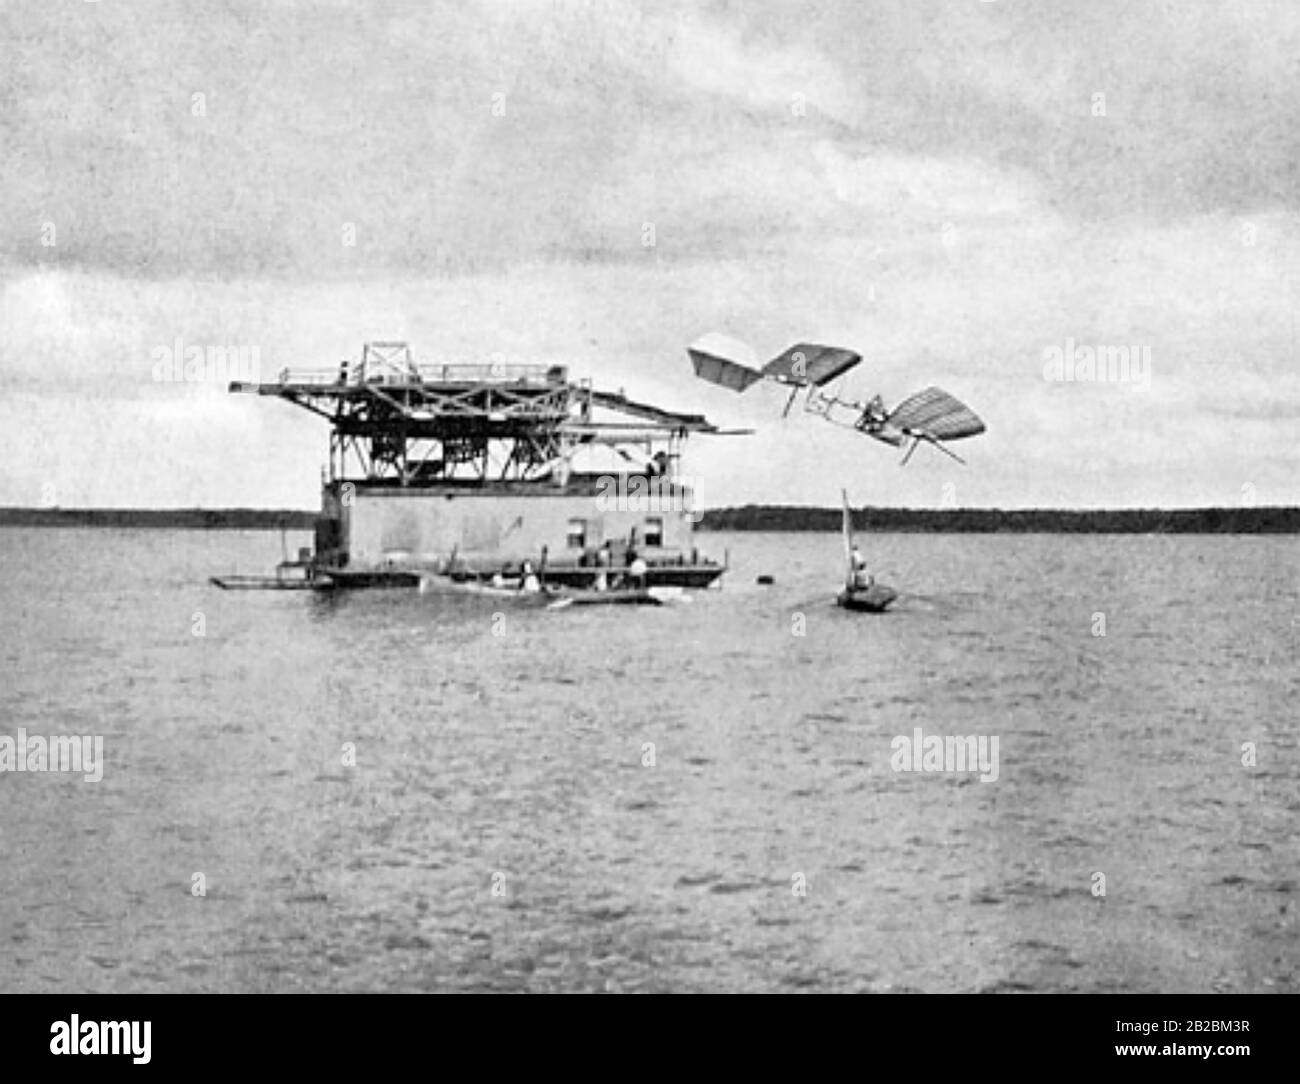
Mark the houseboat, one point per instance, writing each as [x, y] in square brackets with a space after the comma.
[469, 471]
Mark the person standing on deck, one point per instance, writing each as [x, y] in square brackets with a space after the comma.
[636, 568]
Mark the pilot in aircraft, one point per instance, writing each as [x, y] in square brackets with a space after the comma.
[874, 416]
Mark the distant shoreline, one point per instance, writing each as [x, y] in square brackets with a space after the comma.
[205, 519]
[1280, 520]
[779, 518]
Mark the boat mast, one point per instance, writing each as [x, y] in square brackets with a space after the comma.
[848, 541]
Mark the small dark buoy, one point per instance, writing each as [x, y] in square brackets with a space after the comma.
[766, 580]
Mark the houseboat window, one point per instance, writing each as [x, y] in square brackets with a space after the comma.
[654, 532]
[577, 534]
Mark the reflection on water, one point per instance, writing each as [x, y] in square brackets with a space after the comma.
[630, 798]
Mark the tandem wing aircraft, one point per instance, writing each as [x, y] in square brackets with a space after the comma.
[931, 415]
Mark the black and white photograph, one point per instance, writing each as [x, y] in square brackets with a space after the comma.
[618, 497]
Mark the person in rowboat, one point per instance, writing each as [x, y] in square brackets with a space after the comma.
[528, 581]
[861, 578]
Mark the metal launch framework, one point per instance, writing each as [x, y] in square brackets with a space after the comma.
[397, 422]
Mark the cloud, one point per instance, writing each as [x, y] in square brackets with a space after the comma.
[711, 58]
[307, 126]
[479, 178]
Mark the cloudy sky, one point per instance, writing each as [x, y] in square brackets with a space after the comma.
[954, 188]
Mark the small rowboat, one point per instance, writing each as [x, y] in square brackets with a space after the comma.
[554, 598]
[607, 598]
[477, 589]
[872, 599]
[860, 592]
[266, 583]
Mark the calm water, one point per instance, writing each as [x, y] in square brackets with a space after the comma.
[516, 761]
